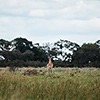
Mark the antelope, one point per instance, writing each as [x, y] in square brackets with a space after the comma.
[50, 64]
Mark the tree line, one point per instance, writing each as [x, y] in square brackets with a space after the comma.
[22, 52]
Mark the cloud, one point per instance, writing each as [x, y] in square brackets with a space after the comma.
[45, 20]
[81, 10]
[67, 9]
[38, 27]
[39, 13]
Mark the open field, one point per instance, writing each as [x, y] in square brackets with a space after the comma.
[61, 84]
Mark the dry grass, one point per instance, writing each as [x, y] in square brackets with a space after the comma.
[61, 84]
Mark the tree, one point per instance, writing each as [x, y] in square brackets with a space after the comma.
[1, 57]
[5, 45]
[87, 55]
[65, 49]
[22, 44]
[11, 55]
[47, 47]
[98, 43]
[39, 54]
[28, 55]
[61, 50]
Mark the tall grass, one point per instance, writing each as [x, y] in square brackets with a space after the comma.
[61, 84]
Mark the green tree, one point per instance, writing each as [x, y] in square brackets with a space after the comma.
[28, 55]
[87, 55]
[98, 43]
[5, 45]
[65, 49]
[61, 50]
[39, 54]
[22, 44]
[11, 55]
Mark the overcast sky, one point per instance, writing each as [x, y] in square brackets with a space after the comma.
[50, 20]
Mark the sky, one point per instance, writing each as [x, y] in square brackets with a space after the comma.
[42, 21]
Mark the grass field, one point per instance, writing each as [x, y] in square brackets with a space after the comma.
[61, 84]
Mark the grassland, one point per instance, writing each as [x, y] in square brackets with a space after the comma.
[61, 84]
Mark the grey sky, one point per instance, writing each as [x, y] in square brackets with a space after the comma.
[50, 20]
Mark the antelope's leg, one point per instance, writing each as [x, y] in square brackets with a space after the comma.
[50, 69]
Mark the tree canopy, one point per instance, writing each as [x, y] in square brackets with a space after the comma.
[87, 55]
[22, 52]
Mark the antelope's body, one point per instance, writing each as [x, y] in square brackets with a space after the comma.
[50, 64]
